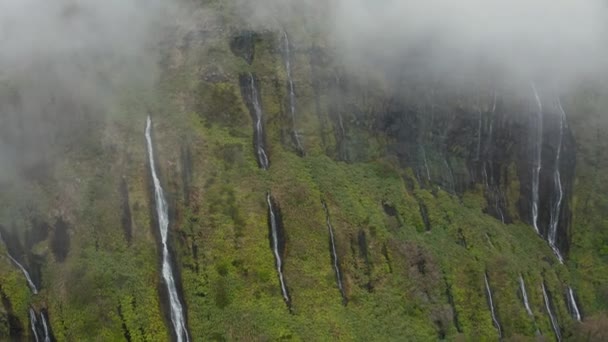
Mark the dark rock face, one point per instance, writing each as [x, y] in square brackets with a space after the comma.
[60, 242]
[243, 45]
[15, 327]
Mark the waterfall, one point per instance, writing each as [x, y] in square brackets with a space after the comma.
[491, 303]
[162, 211]
[274, 235]
[334, 254]
[259, 126]
[554, 323]
[292, 94]
[576, 314]
[30, 282]
[39, 327]
[557, 182]
[45, 328]
[537, 160]
[524, 294]
[34, 325]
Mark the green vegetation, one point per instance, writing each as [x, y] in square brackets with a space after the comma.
[402, 281]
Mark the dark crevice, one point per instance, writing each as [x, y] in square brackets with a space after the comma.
[448, 292]
[243, 45]
[276, 238]
[15, 327]
[126, 218]
[424, 213]
[60, 242]
[125, 329]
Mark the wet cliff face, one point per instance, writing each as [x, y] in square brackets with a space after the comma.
[429, 186]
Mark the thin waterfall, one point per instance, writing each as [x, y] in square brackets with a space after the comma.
[274, 237]
[45, 327]
[334, 254]
[557, 182]
[492, 309]
[292, 94]
[554, 323]
[260, 147]
[30, 282]
[537, 162]
[162, 211]
[34, 325]
[524, 295]
[576, 314]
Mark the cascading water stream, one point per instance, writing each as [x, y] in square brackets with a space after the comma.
[524, 295]
[559, 191]
[30, 282]
[492, 309]
[260, 148]
[292, 94]
[162, 211]
[554, 323]
[34, 325]
[39, 327]
[576, 314]
[274, 237]
[537, 162]
[334, 254]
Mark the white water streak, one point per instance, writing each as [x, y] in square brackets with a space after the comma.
[524, 293]
[275, 249]
[162, 211]
[259, 126]
[554, 323]
[537, 160]
[292, 94]
[30, 283]
[492, 310]
[334, 252]
[557, 181]
[45, 327]
[573, 306]
[33, 324]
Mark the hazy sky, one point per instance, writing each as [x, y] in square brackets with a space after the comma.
[561, 39]
[62, 60]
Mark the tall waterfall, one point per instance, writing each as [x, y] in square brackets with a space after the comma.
[334, 254]
[554, 323]
[524, 295]
[537, 162]
[576, 314]
[28, 279]
[491, 303]
[292, 94]
[558, 188]
[162, 211]
[274, 237]
[30, 283]
[260, 146]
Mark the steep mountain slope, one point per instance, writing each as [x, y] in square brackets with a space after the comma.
[403, 207]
